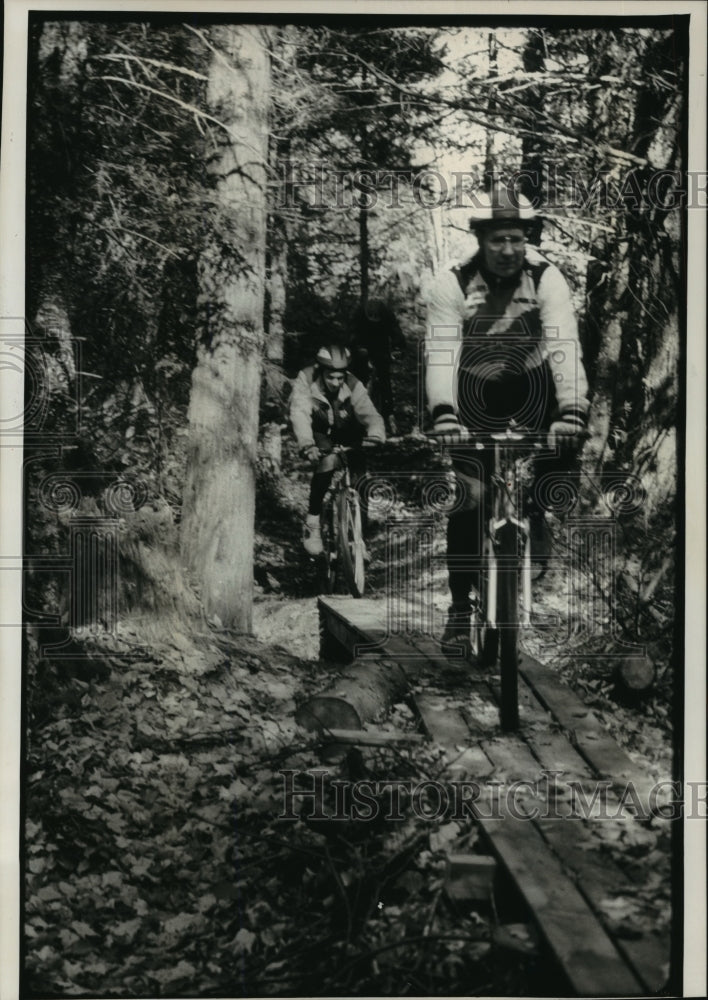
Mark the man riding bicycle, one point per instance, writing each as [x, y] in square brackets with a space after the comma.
[329, 407]
[501, 345]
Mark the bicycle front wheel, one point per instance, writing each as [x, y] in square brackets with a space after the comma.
[330, 540]
[508, 619]
[351, 542]
[485, 636]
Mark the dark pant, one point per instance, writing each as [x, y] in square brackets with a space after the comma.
[329, 463]
[487, 405]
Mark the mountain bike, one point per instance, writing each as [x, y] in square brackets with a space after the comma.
[340, 525]
[503, 602]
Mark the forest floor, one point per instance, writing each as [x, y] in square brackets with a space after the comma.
[162, 854]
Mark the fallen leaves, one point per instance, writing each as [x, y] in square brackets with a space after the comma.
[243, 942]
[156, 863]
[131, 870]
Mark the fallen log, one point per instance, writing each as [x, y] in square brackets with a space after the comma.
[634, 677]
[361, 692]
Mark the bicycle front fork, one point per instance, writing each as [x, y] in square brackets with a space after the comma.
[521, 549]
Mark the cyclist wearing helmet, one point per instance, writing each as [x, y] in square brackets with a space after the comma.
[329, 406]
[501, 344]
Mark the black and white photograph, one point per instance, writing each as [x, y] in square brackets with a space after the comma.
[352, 464]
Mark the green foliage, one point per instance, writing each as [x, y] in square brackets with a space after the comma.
[358, 121]
[116, 224]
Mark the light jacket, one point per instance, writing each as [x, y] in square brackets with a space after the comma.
[527, 321]
[312, 412]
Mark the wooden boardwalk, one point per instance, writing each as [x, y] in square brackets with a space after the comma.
[556, 854]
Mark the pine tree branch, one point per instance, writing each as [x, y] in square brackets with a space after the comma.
[192, 109]
[473, 113]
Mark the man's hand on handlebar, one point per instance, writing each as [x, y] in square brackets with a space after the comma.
[371, 442]
[567, 435]
[446, 424]
[311, 453]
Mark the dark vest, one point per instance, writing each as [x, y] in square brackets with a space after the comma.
[506, 326]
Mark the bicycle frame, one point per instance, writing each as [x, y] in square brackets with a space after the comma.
[342, 476]
[505, 559]
[504, 516]
[341, 521]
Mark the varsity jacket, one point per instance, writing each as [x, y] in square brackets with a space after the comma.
[311, 412]
[489, 326]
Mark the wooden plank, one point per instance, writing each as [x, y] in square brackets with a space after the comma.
[547, 740]
[512, 758]
[596, 876]
[430, 648]
[348, 628]
[585, 731]
[447, 727]
[470, 877]
[370, 737]
[579, 850]
[600, 880]
[572, 931]
[360, 625]
[571, 848]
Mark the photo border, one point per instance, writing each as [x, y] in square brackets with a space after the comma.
[12, 292]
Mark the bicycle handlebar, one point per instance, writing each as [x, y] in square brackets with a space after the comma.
[510, 436]
[372, 444]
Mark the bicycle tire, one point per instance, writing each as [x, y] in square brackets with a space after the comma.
[488, 645]
[328, 528]
[508, 617]
[486, 638]
[351, 543]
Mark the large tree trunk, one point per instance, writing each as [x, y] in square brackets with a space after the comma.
[273, 392]
[60, 52]
[218, 511]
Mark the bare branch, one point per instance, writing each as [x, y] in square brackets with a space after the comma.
[152, 62]
[191, 108]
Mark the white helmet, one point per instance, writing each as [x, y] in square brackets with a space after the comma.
[333, 358]
[501, 206]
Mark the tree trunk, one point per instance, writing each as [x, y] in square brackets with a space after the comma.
[219, 501]
[61, 52]
[273, 392]
[491, 166]
[364, 251]
[532, 146]
[605, 384]
[634, 678]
